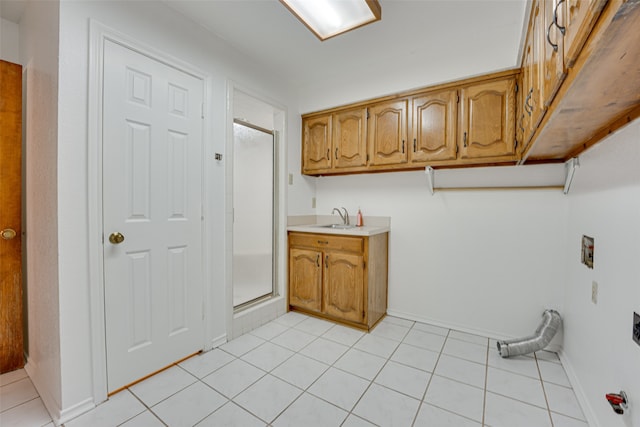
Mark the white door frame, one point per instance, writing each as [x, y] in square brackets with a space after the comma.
[98, 34]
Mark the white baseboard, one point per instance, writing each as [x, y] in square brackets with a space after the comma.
[217, 342]
[587, 409]
[57, 413]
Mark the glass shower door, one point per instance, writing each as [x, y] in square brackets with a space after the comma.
[253, 214]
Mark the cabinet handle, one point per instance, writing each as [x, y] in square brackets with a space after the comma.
[403, 146]
[414, 145]
[464, 140]
[336, 154]
[318, 260]
[326, 261]
[526, 104]
[530, 110]
[521, 121]
[555, 17]
[553, 45]
[323, 242]
[328, 158]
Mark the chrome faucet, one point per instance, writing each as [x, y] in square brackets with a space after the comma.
[345, 217]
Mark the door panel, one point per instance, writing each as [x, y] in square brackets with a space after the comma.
[349, 138]
[152, 190]
[11, 334]
[434, 127]
[316, 144]
[305, 279]
[387, 132]
[344, 286]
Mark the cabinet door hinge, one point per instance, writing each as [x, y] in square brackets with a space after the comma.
[367, 114]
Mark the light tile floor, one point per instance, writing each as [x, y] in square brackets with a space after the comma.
[302, 371]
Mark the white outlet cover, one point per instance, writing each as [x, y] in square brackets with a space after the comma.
[594, 292]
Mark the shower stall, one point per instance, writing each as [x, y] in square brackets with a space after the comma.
[254, 166]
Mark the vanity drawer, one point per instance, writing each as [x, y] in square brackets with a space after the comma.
[327, 241]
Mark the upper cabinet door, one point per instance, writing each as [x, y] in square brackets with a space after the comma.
[487, 119]
[434, 127]
[577, 20]
[349, 138]
[387, 132]
[316, 144]
[554, 68]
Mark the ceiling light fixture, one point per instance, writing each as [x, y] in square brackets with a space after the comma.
[328, 18]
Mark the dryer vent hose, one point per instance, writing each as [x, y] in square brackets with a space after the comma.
[551, 322]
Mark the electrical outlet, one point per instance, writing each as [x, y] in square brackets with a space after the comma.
[594, 292]
[290, 179]
[313, 203]
[636, 327]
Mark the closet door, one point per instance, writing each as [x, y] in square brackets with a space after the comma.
[11, 340]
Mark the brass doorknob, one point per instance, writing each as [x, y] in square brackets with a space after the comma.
[8, 233]
[116, 238]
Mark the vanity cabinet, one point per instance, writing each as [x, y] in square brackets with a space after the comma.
[341, 278]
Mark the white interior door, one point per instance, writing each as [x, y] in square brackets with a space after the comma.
[152, 197]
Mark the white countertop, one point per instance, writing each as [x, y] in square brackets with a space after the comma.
[314, 224]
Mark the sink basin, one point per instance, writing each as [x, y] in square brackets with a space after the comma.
[338, 226]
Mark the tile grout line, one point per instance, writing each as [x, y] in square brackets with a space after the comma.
[435, 366]
[544, 391]
[486, 382]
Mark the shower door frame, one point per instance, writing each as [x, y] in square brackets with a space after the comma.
[274, 217]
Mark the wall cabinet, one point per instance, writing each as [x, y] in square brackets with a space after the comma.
[577, 18]
[388, 132]
[487, 120]
[342, 278]
[435, 118]
[349, 138]
[465, 122]
[316, 144]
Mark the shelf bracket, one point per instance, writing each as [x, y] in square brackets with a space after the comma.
[570, 169]
[430, 177]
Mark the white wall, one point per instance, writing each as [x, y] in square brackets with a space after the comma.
[155, 25]
[453, 54]
[39, 56]
[598, 350]
[9, 41]
[483, 261]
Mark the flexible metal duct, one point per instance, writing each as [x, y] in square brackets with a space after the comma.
[551, 322]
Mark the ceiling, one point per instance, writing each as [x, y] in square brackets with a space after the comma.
[413, 33]
[417, 42]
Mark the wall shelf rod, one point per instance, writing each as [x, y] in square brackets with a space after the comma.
[430, 172]
[570, 169]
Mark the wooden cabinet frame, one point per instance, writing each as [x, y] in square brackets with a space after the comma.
[341, 278]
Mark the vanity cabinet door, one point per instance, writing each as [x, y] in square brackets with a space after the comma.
[305, 279]
[344, 286]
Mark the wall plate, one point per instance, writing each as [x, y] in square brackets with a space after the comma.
[587, 251]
